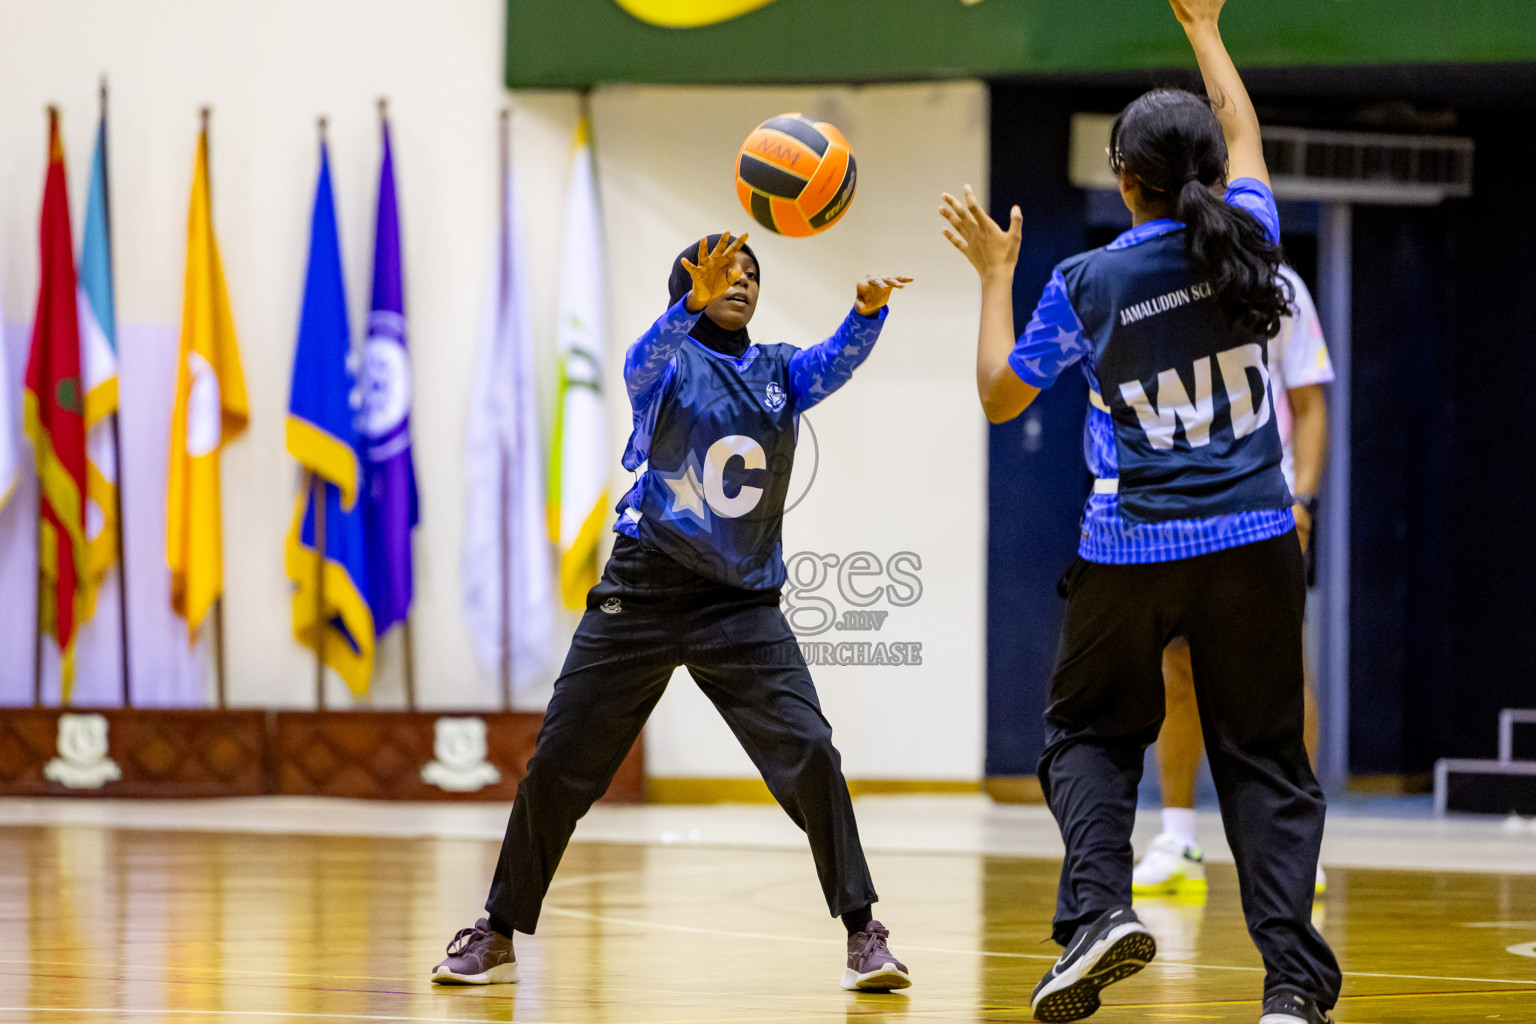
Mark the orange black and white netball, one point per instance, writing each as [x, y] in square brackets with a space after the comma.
[796, 176]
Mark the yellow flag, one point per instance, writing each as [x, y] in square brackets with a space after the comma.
[211, 410]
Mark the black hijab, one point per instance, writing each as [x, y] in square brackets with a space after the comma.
[730, 343]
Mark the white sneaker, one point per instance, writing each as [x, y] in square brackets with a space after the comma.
[1169, 868]
[1322, 882]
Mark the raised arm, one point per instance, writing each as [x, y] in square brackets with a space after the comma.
[1245, 152]
[993, 253]
[648, 357]
[816, 372]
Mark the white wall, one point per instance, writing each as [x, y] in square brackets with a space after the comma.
[902, 448]
[902, 451]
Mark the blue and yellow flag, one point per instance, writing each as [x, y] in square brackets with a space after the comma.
[330, 612]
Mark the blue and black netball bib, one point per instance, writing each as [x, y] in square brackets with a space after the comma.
[1195, 432]
[723, 447]
[715, 436]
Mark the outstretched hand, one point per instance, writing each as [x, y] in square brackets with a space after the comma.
[715, 272]
[1191, 12]
[991, 250]
[874, 292]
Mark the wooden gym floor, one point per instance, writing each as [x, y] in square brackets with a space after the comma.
[101, 923]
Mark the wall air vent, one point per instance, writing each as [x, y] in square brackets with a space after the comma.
[1319, 165]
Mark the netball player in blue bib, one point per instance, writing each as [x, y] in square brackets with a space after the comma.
[694, 580]
[1188, 531]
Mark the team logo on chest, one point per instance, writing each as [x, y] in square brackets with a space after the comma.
[773, 396]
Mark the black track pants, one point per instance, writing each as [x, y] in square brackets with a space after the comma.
[645, 617]
[1241, 610]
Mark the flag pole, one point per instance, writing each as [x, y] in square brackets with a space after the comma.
[117, 435]
[218, 645]
[220, 676]
[503, 297]
[37, 635]
[317, 496]
[410, 667]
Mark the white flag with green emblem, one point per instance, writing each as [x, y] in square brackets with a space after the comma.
[579, 464]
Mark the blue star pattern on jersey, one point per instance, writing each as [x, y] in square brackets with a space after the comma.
[648, 358]
[1055, 339]
[816, 372]
[686, 492]
[713, 441]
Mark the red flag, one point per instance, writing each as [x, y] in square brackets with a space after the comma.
[56, 422]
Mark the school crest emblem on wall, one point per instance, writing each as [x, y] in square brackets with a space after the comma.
[460, 749]
[82, 762]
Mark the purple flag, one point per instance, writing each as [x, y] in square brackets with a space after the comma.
[385, 419]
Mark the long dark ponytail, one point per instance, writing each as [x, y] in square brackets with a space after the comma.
[1170, 141]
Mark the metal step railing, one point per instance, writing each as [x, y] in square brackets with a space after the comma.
[1505, 765]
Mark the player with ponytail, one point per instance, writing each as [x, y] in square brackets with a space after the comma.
[1169, 144]
[1188, 532]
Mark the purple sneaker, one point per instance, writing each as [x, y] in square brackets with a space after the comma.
[871, 966]
[478, 956]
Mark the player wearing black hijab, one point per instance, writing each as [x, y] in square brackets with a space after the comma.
[694, 580]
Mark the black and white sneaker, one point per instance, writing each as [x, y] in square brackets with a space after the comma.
[1288, 1006]
[1114, 947]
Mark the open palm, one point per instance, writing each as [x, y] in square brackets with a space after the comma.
[715, 271]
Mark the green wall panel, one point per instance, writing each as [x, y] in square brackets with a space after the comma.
[572, 43]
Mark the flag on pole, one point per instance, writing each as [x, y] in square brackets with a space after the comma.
[55, 421]
[507, 569]
[211, 410]
[390, 510]
[578, 472]
[98, 357]
[323, 436]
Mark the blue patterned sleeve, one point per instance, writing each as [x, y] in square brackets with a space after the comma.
[1054, 339]
[648, 357]
[816, 372]
[1253, 195]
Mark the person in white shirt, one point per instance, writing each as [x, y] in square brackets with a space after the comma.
[1298, 368]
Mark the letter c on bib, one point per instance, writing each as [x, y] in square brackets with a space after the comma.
[720, 453]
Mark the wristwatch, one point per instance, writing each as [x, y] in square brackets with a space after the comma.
[1309, 556]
